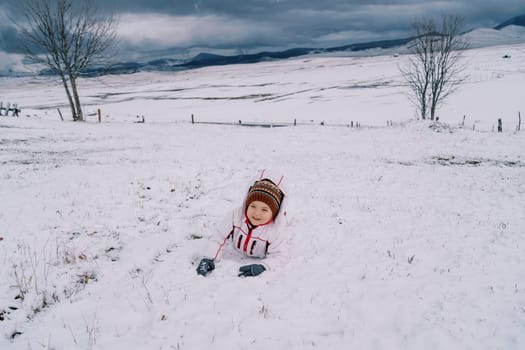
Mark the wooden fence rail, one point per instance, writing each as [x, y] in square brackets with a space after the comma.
[274, 124]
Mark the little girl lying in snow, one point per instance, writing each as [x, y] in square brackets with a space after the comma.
[254, 230]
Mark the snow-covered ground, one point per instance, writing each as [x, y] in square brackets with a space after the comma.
[402, 237]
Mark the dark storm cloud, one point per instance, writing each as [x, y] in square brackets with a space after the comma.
[313, 22]
[253, 24]
[480, 10]
[10, 40]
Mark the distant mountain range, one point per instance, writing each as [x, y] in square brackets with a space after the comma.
[516, 21]
[209, 59]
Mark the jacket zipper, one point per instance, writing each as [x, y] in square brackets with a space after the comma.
[248, 237]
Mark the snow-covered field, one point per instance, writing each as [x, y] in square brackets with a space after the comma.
[402, 237]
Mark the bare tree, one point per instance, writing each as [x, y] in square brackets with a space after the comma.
[434, 70]
[67, 36]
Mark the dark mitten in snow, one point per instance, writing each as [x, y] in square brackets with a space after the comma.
[251, 270]
[206, 265]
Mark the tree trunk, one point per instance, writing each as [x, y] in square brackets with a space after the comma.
[80, 115]
[423, 111]
[69, 98]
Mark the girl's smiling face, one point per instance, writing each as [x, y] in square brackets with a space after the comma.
[259, 213]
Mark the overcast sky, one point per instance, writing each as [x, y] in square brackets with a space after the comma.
[250, 25]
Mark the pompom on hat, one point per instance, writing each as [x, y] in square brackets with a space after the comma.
[267, 192]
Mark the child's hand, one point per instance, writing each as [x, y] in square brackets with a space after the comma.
[251, 270]
[206, 265]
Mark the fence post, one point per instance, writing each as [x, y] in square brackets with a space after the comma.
[99, 116]
[500, 125]
[519, 121]
[295, 122]
[60, 114]
[192, 120]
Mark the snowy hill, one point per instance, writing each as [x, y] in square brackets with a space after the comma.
[407, 236]
[511, 34]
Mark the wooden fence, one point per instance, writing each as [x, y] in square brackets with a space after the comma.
[13, 108]
[274, 124]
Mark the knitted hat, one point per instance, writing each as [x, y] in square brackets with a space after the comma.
[267, 192]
